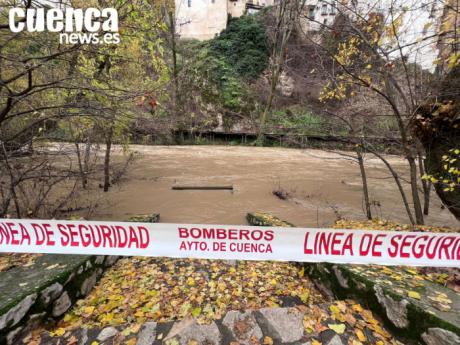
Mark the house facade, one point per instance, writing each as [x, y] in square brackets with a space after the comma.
[204, 19]
[448, 44]
[322, 13]
[418, 23]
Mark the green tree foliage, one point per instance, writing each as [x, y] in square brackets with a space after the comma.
[88, 93]
[243, 46]
[220, 70]
[449, 179]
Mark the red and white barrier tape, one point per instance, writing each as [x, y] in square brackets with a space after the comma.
[230, 242]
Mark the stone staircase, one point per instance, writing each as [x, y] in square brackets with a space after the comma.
[340, 323]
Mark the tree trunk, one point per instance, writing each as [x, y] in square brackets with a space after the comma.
[414, 189]
[87, 158]
[263, 119]
[426, 185]
[286, 18]
[12, 183]
[175, 73]
[80, 165]
[365, 187]
[406, 146]
[398, 183]
[426, 197]
[108, 147]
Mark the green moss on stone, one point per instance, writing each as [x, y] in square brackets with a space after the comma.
[362, 288]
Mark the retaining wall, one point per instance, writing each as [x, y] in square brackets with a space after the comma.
[415, 309]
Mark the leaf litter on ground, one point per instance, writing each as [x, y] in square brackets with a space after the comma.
[138, 289]
[11, 260]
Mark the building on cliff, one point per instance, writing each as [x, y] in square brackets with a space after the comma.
[204, 19]
[322, 13]
[448, 22]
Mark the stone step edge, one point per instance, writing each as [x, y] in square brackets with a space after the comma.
[283, 325]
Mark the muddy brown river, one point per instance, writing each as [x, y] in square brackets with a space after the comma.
[320, 185]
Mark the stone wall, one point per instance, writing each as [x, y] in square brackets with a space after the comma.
[415, 309]
[415, 319]
[45, 291]
[200, 19]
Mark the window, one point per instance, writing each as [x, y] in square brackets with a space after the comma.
[433, 12]
[213, 1]
[333, 9]
[324, 9]
[311, 12]
[189, 3]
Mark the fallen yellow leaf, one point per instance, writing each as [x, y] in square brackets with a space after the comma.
[360, 335]
[337, 328]
[414, 294]
[58, 332]
[88, 310]
[334, 309]
[357, 308]
[302, 272]
[268, 341]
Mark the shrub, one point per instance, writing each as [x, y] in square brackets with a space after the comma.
[243, 45]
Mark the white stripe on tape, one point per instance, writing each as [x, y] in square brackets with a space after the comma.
[230, 242]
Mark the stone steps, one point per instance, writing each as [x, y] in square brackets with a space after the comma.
[339, 323]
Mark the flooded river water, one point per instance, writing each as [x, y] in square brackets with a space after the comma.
[321, 186]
